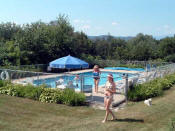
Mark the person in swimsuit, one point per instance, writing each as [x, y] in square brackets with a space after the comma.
[77, 79]
[96, 76]
[110, 89]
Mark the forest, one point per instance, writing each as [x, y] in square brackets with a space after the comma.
[40, 43]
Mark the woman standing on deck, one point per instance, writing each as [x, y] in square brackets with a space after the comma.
[96, 76]
[110, 89]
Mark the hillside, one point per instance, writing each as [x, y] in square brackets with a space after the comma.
[126, 37]
[106, 36]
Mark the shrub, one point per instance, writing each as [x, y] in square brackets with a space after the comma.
[143, 91]
[67, 96]
[165, 84]
[171, 78]
[27, 91]
[50, 95]
[32, 92]
[6, 90]
[3, 83]
[151, 89]
[70, 97]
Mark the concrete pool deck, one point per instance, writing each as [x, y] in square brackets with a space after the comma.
[97, 100]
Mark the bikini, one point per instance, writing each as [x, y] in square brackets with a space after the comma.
[108, 86]
[96, 75]
[109, 97]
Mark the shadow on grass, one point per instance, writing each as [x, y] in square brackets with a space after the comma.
[129, 120]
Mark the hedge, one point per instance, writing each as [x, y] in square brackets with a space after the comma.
[43, 94]
[151, 89]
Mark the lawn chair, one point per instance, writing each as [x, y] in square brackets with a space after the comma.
[120, 86]
[60, 84]
[62, 87]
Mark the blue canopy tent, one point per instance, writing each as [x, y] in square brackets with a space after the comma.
[68, 62]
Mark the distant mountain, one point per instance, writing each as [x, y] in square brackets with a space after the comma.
[127, 37]
[106, 36]
[163, 36]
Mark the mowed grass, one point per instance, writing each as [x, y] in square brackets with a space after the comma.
[24, 114]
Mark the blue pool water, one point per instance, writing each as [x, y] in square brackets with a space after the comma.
[88, 79]
[125, 68]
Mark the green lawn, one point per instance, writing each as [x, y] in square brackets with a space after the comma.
[24, 114]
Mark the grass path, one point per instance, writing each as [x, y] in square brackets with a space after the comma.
[24, 114]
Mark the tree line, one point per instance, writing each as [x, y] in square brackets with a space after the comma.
[40, 43]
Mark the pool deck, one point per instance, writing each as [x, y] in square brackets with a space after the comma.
[97, 100]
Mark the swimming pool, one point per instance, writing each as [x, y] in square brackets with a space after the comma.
[125, 68]
[87, 79]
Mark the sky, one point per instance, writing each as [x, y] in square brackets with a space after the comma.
[97, 17]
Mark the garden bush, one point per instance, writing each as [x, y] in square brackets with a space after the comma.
[144, 91]
[67, 96]
[43, 94]
[151, 89]
[3, 83]
[70, 97]
[30, 91]
[171, 78]
[27, 91]
[50, 95]
[7, 90]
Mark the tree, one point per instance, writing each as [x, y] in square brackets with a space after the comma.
[8, 31]
[167, 47]
[142, 47]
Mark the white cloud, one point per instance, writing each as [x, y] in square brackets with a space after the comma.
[88, 21]
[84, 27]
[166, 27]
[81, 21]
[98, 28]
[115, 23]
[76, 21]
[158, 29]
